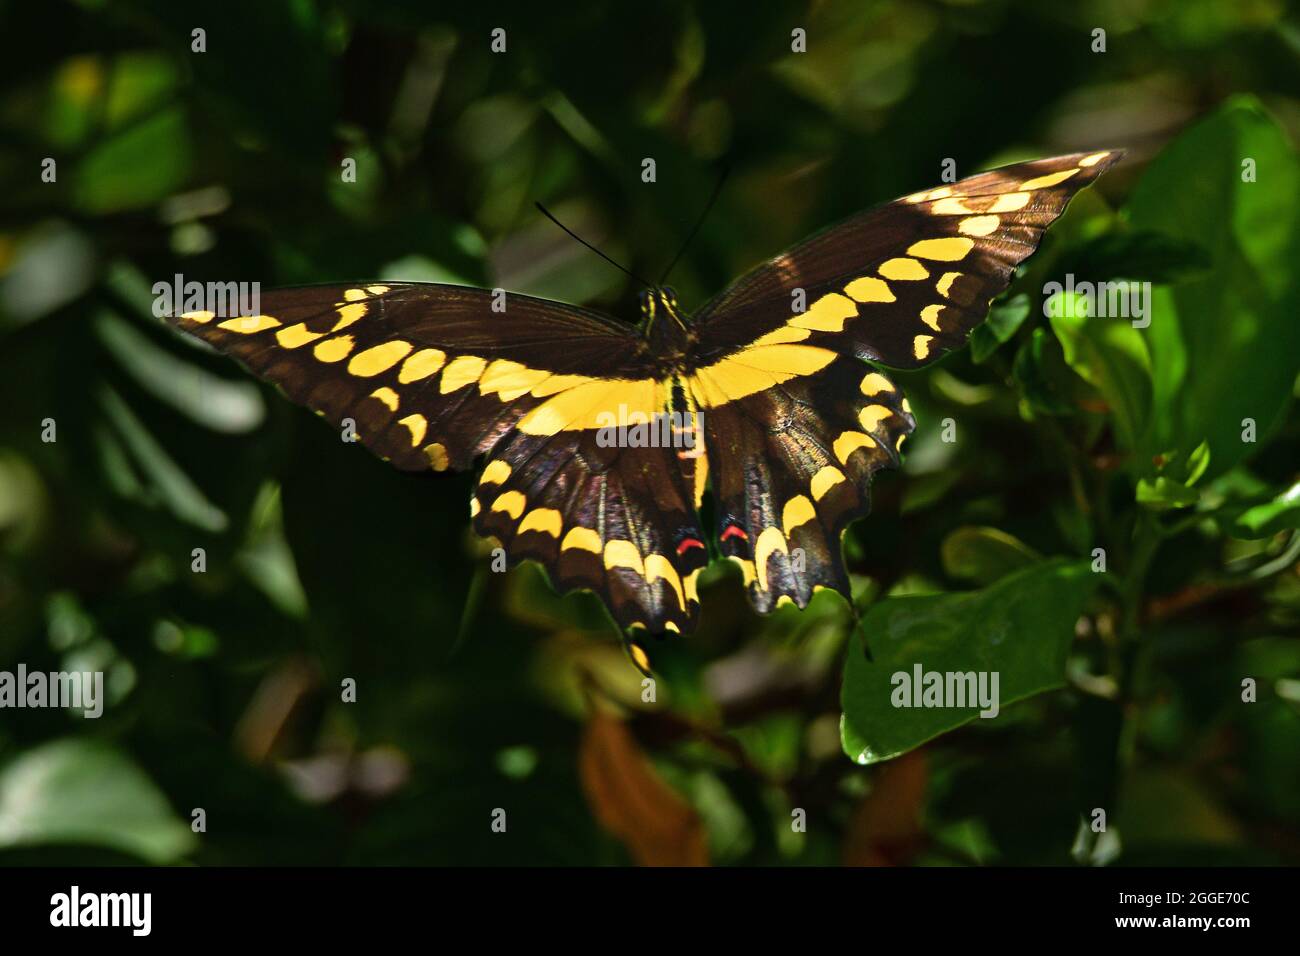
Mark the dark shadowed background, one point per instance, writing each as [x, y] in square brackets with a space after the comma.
[478, 691]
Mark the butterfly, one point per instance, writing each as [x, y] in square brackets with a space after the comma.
[773, 393]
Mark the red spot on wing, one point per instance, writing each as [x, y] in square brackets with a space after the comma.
[687, 544]
[734, 531]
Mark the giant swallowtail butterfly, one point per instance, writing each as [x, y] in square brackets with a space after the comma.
[793, 414]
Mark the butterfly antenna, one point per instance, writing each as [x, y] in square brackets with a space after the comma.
[547, 213]
[717, 190]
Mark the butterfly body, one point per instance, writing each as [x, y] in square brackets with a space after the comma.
[766, 394]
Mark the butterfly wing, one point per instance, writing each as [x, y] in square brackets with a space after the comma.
[433, 376]
[905, 282]
[795, 424]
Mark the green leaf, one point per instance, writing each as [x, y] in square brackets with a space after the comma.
[1172, 486]
[1019, 628]
[136, 167]
[1143, 254]
[984, 555]
[1039, 371]
[1225, 345]
[1162, 493]
[1004, 320]
[84, 792]
[1261, 518]
[1109, 354]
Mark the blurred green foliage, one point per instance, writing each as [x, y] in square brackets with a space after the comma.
[478, 691]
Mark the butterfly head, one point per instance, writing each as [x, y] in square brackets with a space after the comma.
[660, 302]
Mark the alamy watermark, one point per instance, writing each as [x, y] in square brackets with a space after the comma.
[76, 690]
[1116, 300]
[946, 689]
[227, 300]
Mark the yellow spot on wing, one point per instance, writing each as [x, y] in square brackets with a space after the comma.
[903, 269]
[874, 383]
[658, 567]
[496, 472]
[461, 372]
[420, 365]
[349, 314]
[387, 396]
[296, 335]
[474, 506]
[417, 425]
[354, 295]
[1009, 202]
[560, 383]
[921, 345]
[247, 324]
[872, 416]
[511, 502]
[639, 657]
[335, 349]
[827, 314]
[930, 315]
[1094, 159]
[797, 511]
[756, 369]
[596, 404]
[783, 335]
[438, 460]
[200, 317]
[623, 554]
[689, 585]
[377, 289]
[951, 207]
[870, 289]
[978, 225]
[510, 379]
[849, 442]
[584, 539]
[378, 358]
[825, 480]
[769, 543]
[546, 520]
[949, 249]
[945, 283]
[1051, 179]
[746, 569]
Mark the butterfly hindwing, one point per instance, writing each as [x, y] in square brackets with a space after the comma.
[792, 466]
[616, 520]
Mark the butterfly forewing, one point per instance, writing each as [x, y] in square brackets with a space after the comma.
[432, 376]
[905, 282]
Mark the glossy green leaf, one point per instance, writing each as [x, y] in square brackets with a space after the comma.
[1145, 255]
[1262, 518]
[1225, 344]
[984, 555]
[1005, 318]
[1019, 628]
[1109, 354]
[84, 792]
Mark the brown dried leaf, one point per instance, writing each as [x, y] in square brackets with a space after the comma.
[886, 827]
[633, 802]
